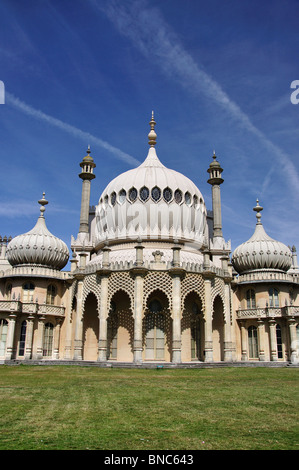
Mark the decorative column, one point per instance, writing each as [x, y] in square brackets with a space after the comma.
[40, 337]
[261, 338]
[86, 175]
[29, 337]
[78, 340]
[57, 339]
[102, 346]
[208, 317]
[138, 272]
[177, 273]
[293, 340]
[215, 181]
[273, 342]
[10, 336]
[244, 336]
[227, 326]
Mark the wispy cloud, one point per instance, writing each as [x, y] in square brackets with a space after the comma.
[145, 26]
[86, 136]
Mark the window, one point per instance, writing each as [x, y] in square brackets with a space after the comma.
[279, 342]
[167, 194]
[133, 194]
[195, 332]
[3, 336]
[144, 193]
[155, 336]
[48, 340]
[122, 196]
[178, 196]
[156, 193]
[112, 328]
[22, 338]
[273, 297]
[250, 297]
[188, 199]
[51, 293]
[28, 291]
[8, 291]
[113, 198]
[252, 342]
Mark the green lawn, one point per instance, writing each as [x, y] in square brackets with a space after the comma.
[72, 407]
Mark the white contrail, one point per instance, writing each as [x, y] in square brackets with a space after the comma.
[145, 26]
[86, 136]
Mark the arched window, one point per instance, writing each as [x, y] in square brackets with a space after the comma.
[3, 335]
[51, 293]
[178, 196]
[112, 327]
[155, 332]
[8, 291]
[22, 338]
[156, 193]
[28, 291]
[273, 297]
[122, 196]
[144, 193]
[252, 342]
[279, 342]
[195, 332]
[48, 340]
[250, 297]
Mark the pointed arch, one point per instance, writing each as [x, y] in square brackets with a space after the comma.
[192, 328]
[90, 327]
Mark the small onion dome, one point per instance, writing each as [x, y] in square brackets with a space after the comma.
[38, 246]
[261, 251]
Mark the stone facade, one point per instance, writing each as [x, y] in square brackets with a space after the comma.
[161, 291]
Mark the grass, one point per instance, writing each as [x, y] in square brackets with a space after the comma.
[68, 407]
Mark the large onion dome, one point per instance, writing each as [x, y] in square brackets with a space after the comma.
[38, 246]
[261, 251]
[151, 202]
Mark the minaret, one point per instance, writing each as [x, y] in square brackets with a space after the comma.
[215, 180]
[86, 175]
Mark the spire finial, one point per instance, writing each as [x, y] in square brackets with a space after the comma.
[258, 209]
[43, 202]
[152, 135]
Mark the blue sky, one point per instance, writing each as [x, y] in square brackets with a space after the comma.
[216, 73]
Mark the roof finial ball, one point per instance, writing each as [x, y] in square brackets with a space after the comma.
[152, 135]
[43, 202]
[258, 209]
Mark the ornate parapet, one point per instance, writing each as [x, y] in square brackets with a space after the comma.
[35, 271]
[268, 312]
[16, 306]
[264, 275]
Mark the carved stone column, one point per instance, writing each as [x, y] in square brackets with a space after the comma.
[78, 340]
[208, 318]
[293, 340]
[139, 274]
[10, 336]
[176, 273]
[261, 339]
[29, 337]
[244, 337]
[57, 339]
[273, 342]
[102, 346]
[40, 338]
[227, 326]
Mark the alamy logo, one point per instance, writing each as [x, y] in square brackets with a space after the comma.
[295, 95]
[2, 93]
